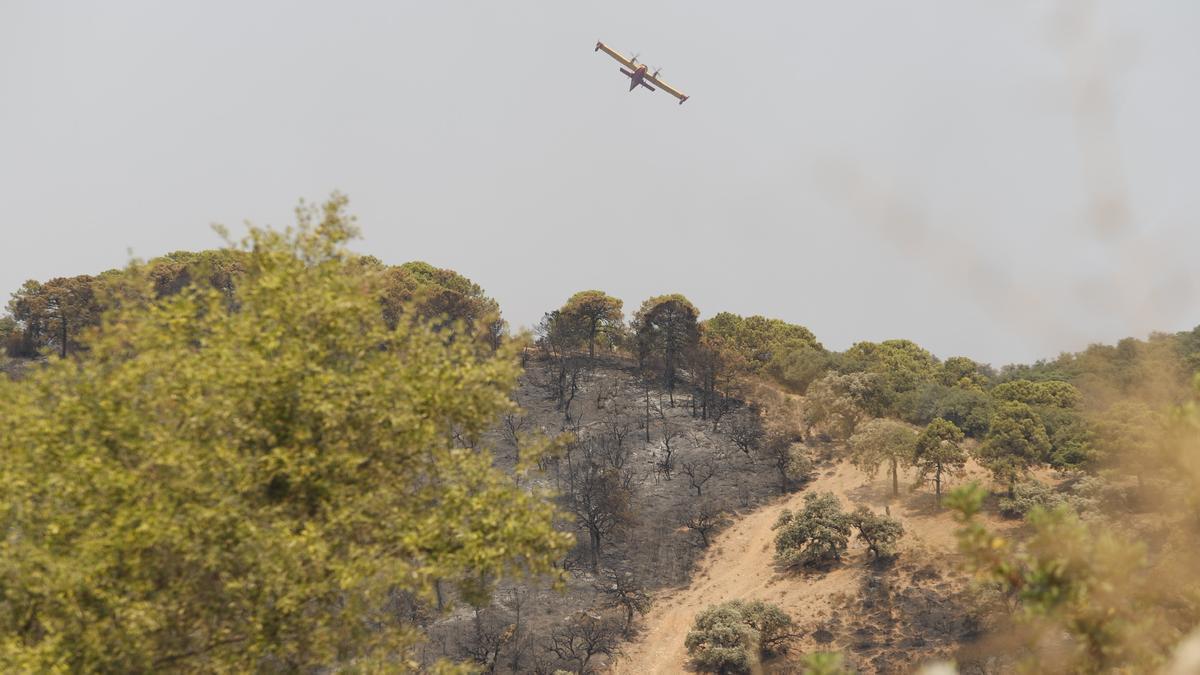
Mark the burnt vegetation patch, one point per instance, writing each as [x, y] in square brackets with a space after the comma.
[643, 483]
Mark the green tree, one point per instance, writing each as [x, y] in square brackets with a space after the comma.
[57, 313]
[715, 367]
[939, 451]
[902, 364]
[218, 268]
[1187, 344]
[817, 535]
[969, 408]
[1017, 441]
[14, 339]
[425, 293]
[1182, 447]
[598, 314]
[1129, 436]
[720, 641]
[1044, 393]
[760, 340]
[799, 367]
[732, 636]
[1072, 438]
[778, 446]
[666, 326]
[880, 442]
[220, 488]
[879, 532]
[839, 402]
[962, 372]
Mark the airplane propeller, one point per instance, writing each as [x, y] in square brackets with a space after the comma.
[633, 59]
[656, 72]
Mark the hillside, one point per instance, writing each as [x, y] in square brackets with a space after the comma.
[289, 454]
[887, 618]
[917, 605]
[651, 548]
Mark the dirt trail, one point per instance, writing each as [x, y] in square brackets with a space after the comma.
[739, 565]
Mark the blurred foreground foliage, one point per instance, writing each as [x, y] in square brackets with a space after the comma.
[248, 478]
[1113, 593]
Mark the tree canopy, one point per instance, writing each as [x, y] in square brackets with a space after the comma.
[427, 293]
[818, 534]
[665, 326]
[730, 637]
[938, 451]
[54, 314]
[902, 363]
[57, 313]
[1016, 441]
[759, 339]
[838, 403]
[598, 315]
[883, 442]
[1048, 393]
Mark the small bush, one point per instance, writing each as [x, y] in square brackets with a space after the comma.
[1090, 494]
[817, 535]
[1086, 496]
[800, 465]
[1026, 495]
[732, 636]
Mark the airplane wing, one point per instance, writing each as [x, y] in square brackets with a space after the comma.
[628, 63]
[667, 88]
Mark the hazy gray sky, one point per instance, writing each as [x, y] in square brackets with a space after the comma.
[998, 179]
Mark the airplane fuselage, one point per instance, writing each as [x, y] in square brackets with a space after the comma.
[637, 76]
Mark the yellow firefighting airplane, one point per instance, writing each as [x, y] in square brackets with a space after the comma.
[637, 73]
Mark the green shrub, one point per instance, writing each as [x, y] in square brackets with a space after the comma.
[1028, 494]
[818, 534]
[1072, 439]
[879, 532]
[1085, 496]
[800, 465]
[732, 636]
[970, 409]
[798, 367]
